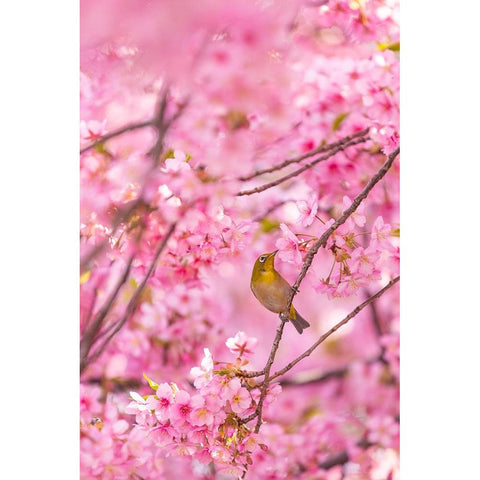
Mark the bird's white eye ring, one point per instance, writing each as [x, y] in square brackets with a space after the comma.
[262, 258]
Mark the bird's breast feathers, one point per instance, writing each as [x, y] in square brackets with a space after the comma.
[271, 291]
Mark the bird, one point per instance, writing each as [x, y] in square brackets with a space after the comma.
[272, 290]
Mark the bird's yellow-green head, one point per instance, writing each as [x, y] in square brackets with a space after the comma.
[263, 264]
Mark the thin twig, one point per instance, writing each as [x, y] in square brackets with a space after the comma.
[276, 205]
[177, 114]
[268, 145]
[311, 153]
[266, 381]
[312, 377]
[337, 459]
[132, 304]
[316, 3]
[120, 217]
[116, 384]
[245, 374]
[160, 125]
[297, 172]
[127, 128]
[352, 314]
[342, 457]
[335, 373]
[107, 330]
[322, 241]
[91, 331]
[91, 307]
[377, 324]
[375, 317]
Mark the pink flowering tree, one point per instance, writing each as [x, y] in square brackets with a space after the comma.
[212, 132]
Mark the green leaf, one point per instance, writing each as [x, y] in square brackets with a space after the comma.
[170, 153]
[268, 225]
[394, 47]
[152, 384]
[84, 277]
[338, 121]
[100, 147]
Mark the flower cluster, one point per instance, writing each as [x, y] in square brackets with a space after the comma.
[356, 261]
[110, 448]
[334, 419]
[355, 265]
[207, 425]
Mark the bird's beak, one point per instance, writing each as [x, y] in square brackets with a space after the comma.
[273, 254]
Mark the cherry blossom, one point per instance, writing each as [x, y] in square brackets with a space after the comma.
[203, 374]
[308, 209]
[241, 344]
[287, 245]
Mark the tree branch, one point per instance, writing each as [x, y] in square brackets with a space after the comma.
[274, 207]
[311, 153]
[342, 457]
[268, 366]
[158, 122]
[161, 125]
[352, 314]
[338, 459]
[120, 217]
[132, 304]
[91, 331]
[322, 241]
[378, 328]
[375, 317]
[266, 381]
[127, 128]
[317, 378]
[295, 173]
[257, 373]
[314, 377]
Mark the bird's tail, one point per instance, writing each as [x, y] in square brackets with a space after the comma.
[298, 321]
